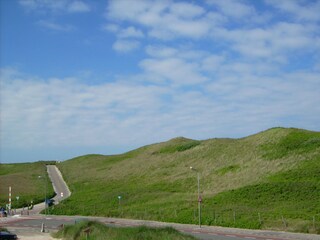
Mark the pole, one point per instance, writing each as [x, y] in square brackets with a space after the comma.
[10, 198]
[199, 200]
[199, 197]
[46, 185]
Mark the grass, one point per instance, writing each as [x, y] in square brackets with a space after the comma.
[295, 142]
[225, 170]
[291, 194]
[98, 231]
[25, 183]
[178, 145]
[267, 180]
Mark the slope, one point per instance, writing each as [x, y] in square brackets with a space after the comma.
[28, 181]
[155, 181]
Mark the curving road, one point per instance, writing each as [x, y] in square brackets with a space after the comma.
[52, 223]
[59, 185]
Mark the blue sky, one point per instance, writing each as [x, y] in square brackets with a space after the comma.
[81, 77]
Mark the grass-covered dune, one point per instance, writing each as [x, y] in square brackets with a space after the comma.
[267, 180]
[95, 230]
[28, 181]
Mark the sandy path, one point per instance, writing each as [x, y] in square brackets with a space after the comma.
[35, 236]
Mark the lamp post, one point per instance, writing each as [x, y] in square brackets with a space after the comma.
[17, 197]
[199, 197]
[45, 202]
[119, 197]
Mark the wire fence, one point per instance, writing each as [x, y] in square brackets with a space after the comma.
[240, 218]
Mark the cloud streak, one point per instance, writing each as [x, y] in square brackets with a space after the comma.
[55, 7]
[66, 112]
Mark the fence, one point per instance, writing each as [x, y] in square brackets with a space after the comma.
[239, 218]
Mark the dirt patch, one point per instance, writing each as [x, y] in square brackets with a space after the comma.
[35, 236]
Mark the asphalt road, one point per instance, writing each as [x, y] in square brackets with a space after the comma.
[59, 185]
[34, 221]
[53, 223]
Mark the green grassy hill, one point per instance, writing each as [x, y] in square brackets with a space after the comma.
[267, 180]
[100, 231]
[25, 182]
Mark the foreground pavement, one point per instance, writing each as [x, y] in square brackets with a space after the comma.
[32, 225]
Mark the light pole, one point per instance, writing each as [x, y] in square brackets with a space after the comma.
[45, 202]
[119, 197]
[17, 197]
[199, 197]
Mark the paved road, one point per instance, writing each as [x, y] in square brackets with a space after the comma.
[59, 185]
[52, 223]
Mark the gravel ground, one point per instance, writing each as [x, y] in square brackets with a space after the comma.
[35, 236]
[31, 234]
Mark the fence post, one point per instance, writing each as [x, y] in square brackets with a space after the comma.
[284, 221]
[215, 217]
[260, 221]
[234, 217]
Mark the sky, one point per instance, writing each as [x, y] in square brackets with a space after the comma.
[81, 77]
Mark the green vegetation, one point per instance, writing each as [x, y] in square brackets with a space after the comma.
[25, 183]
[298, 142]
[178, 145]
[231, 168]
[267, 180]
[290, 194]
[95, 230]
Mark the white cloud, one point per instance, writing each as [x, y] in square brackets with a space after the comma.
[212, 62]
[186, 10]
[58, 6]
[233, 8]
[301, 10]
[43, 4]
[161, 51]
[65, 112]
[111, 28]
[130, 32]
[78, 7]
[163, 19]
[122, 33]
[175, 70]
[125, 45]
[275, 41]
[55, 26]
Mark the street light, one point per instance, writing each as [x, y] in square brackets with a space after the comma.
[199, 197]
[17, 197]
[119, 197]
